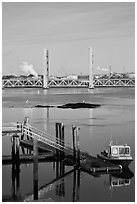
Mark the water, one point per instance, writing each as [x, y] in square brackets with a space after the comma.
[115, 119]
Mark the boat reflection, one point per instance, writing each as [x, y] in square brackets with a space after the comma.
[120, 179]
[115, 179]
[117, 182]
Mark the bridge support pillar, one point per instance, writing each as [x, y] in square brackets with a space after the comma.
[46, 69]
[91, 85]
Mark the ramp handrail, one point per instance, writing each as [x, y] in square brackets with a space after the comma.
[44, 137]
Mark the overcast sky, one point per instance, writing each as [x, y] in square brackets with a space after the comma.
[68, 30]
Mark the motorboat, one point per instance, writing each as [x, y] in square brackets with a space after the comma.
[117, 154]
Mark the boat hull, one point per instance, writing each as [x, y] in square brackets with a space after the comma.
[123, 162]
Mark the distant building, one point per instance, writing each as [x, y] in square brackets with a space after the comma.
[75, 77]
[83, 77]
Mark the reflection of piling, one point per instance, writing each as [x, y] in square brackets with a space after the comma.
[15, 167]
[35, 168]
[76, 185]
[60, 171]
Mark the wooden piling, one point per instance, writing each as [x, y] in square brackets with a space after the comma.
[63, 143]
[78, 148]
[60, 138]
[74, 143]
[35, 168]
[15, 148]
[22, 132]
[57, 137]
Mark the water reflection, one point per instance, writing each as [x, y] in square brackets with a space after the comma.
[91, 122]
[46, 119]
[115, 179]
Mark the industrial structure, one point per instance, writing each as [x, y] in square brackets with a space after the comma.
[45, 81]
[91, 85]
[46, 69]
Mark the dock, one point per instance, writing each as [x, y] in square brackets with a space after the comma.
[33, 146]
[51, 147]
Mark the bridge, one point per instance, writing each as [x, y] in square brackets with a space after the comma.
[66, 83]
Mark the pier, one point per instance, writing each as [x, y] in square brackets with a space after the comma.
[31, 145]
[27, 136]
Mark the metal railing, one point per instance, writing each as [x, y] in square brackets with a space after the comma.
[46, 138]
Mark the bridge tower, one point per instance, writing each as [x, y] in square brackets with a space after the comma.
[91, 86]
[46, 69]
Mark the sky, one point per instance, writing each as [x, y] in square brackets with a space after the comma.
[67, 30]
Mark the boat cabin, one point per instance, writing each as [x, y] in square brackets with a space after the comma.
[117, 151]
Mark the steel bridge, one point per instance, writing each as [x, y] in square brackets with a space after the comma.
[64, 83]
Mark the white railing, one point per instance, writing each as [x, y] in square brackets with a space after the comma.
[45, 138]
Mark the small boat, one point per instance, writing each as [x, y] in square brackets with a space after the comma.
[117, 154]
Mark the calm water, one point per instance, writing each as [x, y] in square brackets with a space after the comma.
[115, 119]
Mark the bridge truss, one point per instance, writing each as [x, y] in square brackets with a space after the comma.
[63, 83]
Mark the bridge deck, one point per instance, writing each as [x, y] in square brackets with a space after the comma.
[38, 83]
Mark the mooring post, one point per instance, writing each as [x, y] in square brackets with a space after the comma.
[22, 131]
[74, 143]
[15, 148]
[57, 135]
[27, 124]
[62, 133]
[17, 126]
[35, 168]
[60, 139]
[77, 145]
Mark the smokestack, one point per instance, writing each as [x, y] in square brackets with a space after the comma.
[91, 86]
[46, 69]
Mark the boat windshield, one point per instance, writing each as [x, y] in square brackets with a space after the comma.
[120, 150]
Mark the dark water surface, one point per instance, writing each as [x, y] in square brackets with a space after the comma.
[115, 120]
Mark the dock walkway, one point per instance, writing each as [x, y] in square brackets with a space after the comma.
[54, 146]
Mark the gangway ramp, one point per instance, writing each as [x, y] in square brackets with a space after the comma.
[52, 143]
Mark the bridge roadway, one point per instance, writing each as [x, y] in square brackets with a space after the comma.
[64, 83]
